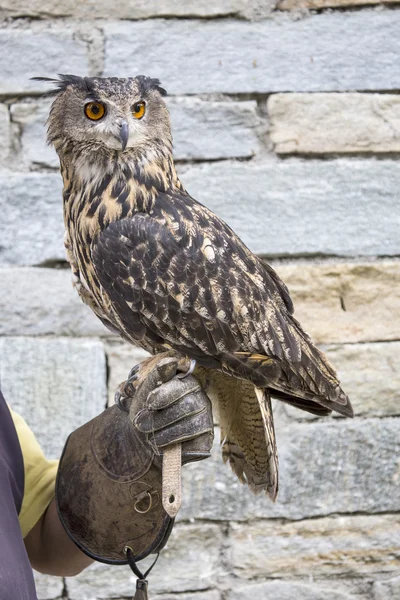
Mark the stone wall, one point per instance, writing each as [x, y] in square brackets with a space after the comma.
[286, 120]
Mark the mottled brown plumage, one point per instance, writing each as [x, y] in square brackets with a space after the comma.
[165, 272]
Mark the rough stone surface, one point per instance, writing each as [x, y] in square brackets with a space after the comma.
[140, 9]
[296, 4]
[121, 357]
[325, 467]
[27, 53]
[209, 130]
[55, 384]
[241, 57]
[5, 132]
[342, 207]
[210, 595]
[345, 302]
[201, 129]
[31, 208]
[287, 590]
[292, 207]
[349, 546]
[190, 562]
[35, 301]
[31, 118]
[48, 587]
[383, 590]
[323, 123]
[370, 374]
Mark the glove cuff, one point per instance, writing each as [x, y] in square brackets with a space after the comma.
[109, 491]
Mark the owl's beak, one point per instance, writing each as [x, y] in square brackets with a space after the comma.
[124, 134]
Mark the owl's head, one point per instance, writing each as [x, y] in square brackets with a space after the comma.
[108, 114]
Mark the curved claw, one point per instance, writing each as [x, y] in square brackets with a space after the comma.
[189, 371]
[119, 399]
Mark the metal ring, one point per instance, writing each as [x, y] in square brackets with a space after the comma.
[142, 512]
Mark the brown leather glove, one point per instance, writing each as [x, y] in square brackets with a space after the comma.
[108, 487]
[168, 407]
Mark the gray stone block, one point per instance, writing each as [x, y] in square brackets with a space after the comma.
[139, 9]
[338, 546]
[36, 301]
[341, 207]
[334, 123]
[121, 357]
[48, 587]
[325, 467]
[210, 595]
[31, 118]
[31, 208]
[190, 562]
[288, 590]
[204, 130]
[28, 53]
[201, 130]
[298, 4]
[370, 375]
[55, 384]
[277, 54]
[385, 590]
[5, 132]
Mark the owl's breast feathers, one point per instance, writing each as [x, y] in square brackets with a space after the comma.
[168, 273]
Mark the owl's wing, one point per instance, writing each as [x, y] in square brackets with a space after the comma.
[181, 278]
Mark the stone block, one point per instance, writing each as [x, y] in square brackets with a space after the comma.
[345, 302]
[190, 562]
[38, 52]
[385, 590]
[205, 130]
[202, 130]
[31, 208]
[210, 595]
[55, 384]
[338, 546]
[5, 132]
[334, 123]
[31, 118]
[121, 357]
[279, 208]
[139, 9]
[36, 301]
[272, 55]
[370, 375]
[48, 587]
[297, 4]
[297, 207]
[288, 590]
[325, 467]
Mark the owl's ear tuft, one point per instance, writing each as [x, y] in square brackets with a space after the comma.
[148, 83]
[82, 83]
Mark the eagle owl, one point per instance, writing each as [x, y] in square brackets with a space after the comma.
[166, 273]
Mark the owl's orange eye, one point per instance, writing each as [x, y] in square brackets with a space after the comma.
[94, 110]
[139, 109]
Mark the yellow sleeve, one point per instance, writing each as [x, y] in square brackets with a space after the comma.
[40, 477]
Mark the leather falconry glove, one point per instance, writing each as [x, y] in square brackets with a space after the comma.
[109, 487]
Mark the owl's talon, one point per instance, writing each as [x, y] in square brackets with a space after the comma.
[192, 367]
[133, 371]
[119, 401]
